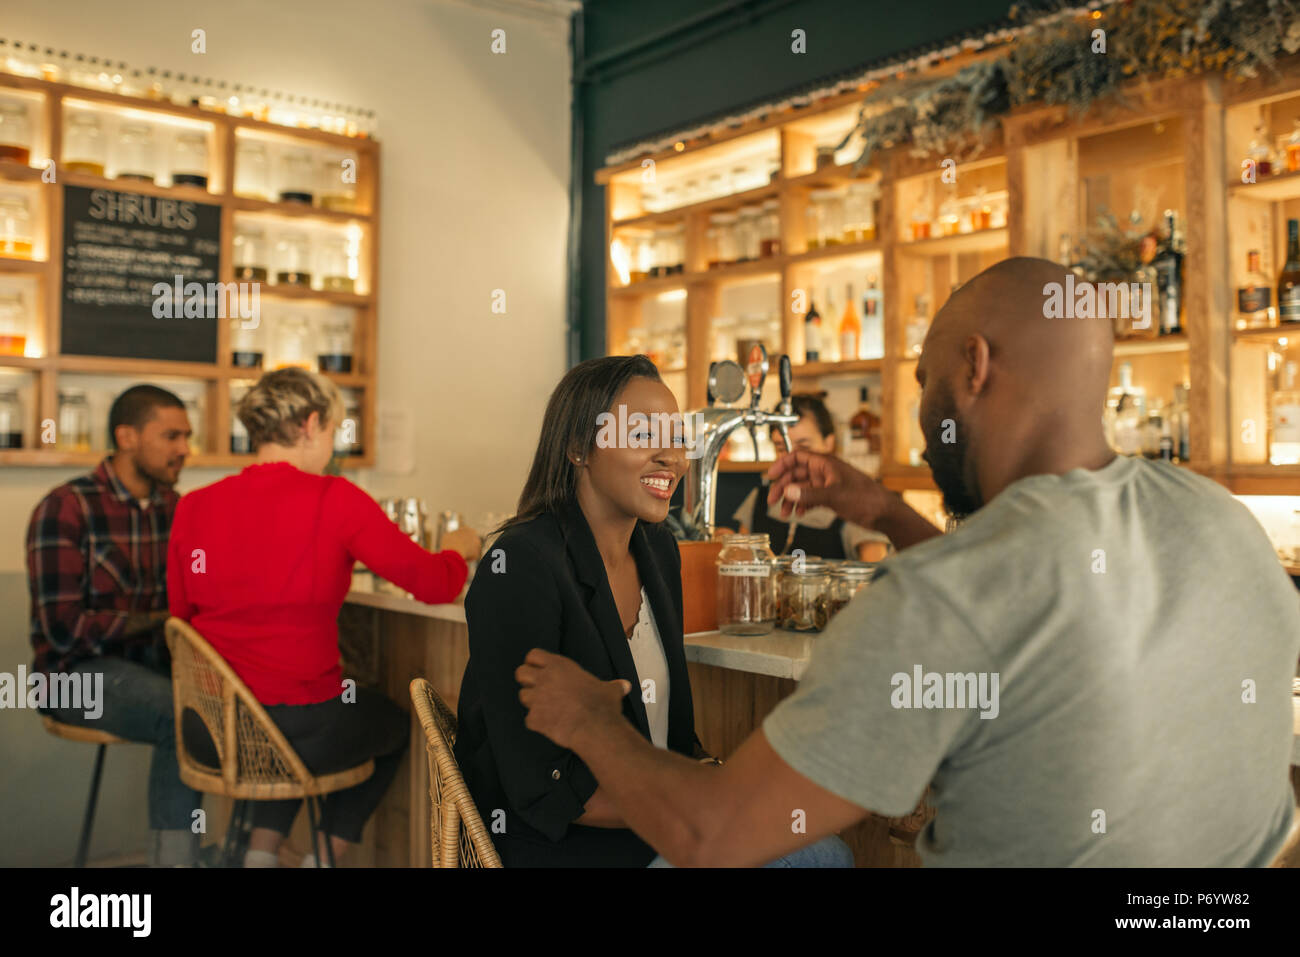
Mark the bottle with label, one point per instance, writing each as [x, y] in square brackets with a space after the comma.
[1168, 265]
[1261, 152]
[864, 430]
[830, 341]
[1255, 297]
[1288, 282]
[850, 330]
[812, 334]
[873, 321]
[917, 327]
[1284, 418]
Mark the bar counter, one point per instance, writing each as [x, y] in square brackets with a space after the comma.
[735, 682]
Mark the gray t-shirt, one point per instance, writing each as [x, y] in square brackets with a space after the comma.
[1126, 613]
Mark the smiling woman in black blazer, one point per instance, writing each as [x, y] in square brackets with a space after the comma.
[586, 570]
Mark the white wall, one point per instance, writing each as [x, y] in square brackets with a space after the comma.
[474, 197]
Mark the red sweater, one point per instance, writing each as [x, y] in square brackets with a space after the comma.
[260, 562]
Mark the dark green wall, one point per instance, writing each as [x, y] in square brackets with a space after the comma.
[705, 57]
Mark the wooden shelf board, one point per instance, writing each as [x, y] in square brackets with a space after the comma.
[649, 287]
[247, 204]
[12, 264]
[717, 204]
[1275, 188]
[1142, 347]
[116, 365]
[833, 176]
[190, 193]
[811, 370]
[283, 291]
[980, 241]
[744, 467]
[12, 172]
[24, 362]
[839, 251]
[756, 268]
[1287, 330]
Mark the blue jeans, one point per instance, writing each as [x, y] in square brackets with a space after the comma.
[828, 852]
[137, 706]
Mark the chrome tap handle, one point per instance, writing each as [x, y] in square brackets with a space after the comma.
[756, 370]
[787, 382]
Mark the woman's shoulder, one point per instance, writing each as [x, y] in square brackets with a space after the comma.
[540, 535]
[662, 541]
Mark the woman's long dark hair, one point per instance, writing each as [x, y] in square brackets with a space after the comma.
[570, 424]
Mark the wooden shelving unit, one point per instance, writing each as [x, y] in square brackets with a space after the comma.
[45, 363]
[1172, 144]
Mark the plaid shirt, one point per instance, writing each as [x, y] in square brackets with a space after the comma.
[94, 555]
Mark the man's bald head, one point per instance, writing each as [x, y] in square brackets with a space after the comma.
[1000, 371]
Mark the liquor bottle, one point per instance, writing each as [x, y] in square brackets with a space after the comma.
[1288, 282]
[850, 330]
[830, 341]
[917, 327]
[1261, 152]
[1126, 413]
[1284, 418]
[873, 321]
[812, 334]
[1182, 422]
[1168, 265]
[864, 429]
[1293, 148]
[1255, 297]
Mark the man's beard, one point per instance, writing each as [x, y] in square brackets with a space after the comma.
[157, 477]
[948, 460]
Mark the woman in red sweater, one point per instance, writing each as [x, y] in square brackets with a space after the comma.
[260, 563]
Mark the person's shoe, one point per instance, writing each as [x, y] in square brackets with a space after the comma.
[261, 859]
[309, 860]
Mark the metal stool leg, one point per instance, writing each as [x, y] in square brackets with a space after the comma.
[83, 845]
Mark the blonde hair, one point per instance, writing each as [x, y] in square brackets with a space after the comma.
[276, 409]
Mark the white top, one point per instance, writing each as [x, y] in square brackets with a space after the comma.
[652, 671]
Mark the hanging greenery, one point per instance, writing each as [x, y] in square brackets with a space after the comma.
[1075, 57]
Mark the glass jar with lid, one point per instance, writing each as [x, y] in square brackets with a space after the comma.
[15, 132]
[803, 603]
[847, 579]
[293, 259]
[338, 184]
[250, 251]
[949, 213]
[135, 159]
[336, 350]
[11, 419]
[334, 261]
[83, 145]
[246, 349]
[74, 421]
[291, 340]
[297, 178]
[13, 324]
[769, 229]
[746, 598]
[725, 224]
[190, 160]
[252, 178]
[817, 218]
[16, 236]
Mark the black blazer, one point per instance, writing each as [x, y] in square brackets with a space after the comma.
[553, 593]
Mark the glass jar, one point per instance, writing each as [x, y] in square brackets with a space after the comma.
[661, 252]
[296, 179]
[190, 160]
[336, 351]
[1293, 148]
[291, 340]
[639, 257]
[769, 230]
[16, 236]
[833, 217]
[15, 132]
[949, 215]
[246, 350]
[725, 249]
[74, 421]
[803, 602]
[83, 145]
[847, 579]
[336, 193]
[251, 170]
[240, 444]
[293, 260]
[250, 254]
[746, 598]
[334, 261]
[11, 419]
[747, 232]
[135, 152]
[13, 324]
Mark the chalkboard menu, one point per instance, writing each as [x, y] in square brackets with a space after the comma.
[139, 276]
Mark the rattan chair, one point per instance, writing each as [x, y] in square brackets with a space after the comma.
[1289, 856]
[256, 761]
[74, 732]
[456, 832]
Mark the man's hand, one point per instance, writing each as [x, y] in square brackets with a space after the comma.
[562, 699]
[802, 480]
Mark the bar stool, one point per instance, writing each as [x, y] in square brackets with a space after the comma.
[73, 732]
[255, 760]
[450, 844]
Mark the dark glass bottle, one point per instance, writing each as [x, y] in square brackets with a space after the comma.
[1288, 282]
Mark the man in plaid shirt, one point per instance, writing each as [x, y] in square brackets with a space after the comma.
[96, 568]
